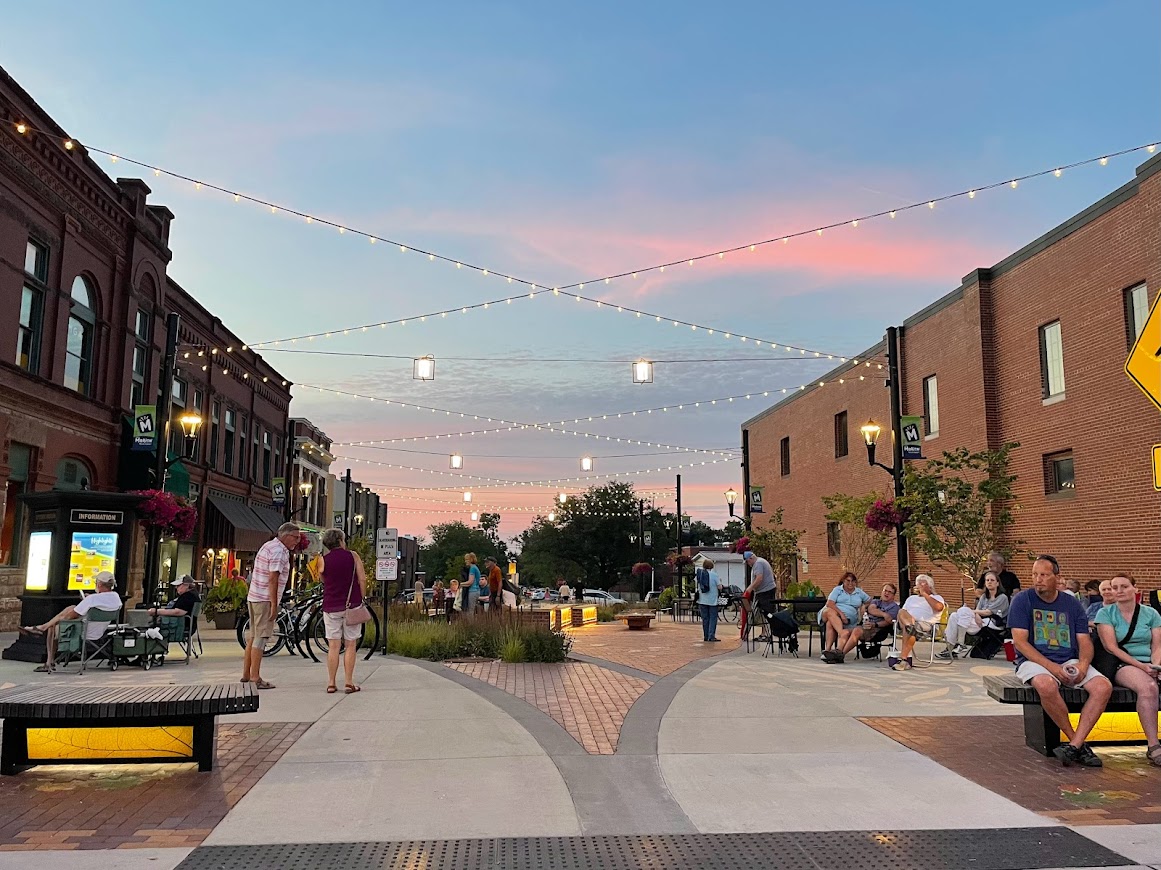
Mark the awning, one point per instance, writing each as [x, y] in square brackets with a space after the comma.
[234, 526]
[272, 517]
[177, 479]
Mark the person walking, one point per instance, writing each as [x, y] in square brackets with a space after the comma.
[473, 595]
[267, 583]
[709, 586]
[344, 586]
[495, 583]
[420, 598]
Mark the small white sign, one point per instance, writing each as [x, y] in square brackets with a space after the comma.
[386, 570]
[386, 543]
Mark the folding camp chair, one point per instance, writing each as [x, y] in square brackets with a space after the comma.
[193, 632]
[935, 636]
[71, 638]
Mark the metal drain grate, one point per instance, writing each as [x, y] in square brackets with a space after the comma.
[975, 849]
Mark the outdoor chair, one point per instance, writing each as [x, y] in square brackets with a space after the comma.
[71, 634]
[193, 631]
[934, 637]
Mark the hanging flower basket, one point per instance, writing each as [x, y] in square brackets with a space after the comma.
[884, 515]
[678, 561]
[740, 545]
[171, 513]
[642, 569]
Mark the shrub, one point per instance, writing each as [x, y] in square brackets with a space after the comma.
[665, 599]
[608, 612]
[227, 596]
[477, 638]
[400, 612]
[806, 589]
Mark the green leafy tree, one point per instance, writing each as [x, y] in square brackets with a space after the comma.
[734, 529]
[861, 548]
[778, 545]
[443, 557]
[959, 508]
[542, 558]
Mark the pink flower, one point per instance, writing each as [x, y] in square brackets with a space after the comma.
[884, 516]
[168, 512]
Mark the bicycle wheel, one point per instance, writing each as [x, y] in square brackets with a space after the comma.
[273, 644]
[371, 629]
[318, 633]
[729, 611]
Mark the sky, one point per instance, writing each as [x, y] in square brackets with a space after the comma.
[564, 144]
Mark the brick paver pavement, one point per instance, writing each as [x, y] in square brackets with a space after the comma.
[662, 649]
[588, 701]
[129, 806]
[1127, 790]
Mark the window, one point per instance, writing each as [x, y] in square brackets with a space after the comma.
[142, 329]
[254, 456]
[278, 457]
[840, 434]
[265, 458]
[177, 441]
[1051, 361]
[1059, 476]
[79, 346]
[32, 307]
[1136, 310]
[242, 446]
[195, 448]
[73, 475]
[19, 460]
[785, 456]
[931, 405]
[228, 451]
[834, 541]
[215, 414]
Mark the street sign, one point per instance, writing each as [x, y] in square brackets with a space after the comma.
[386, 543]
[912, 437]
[144, 427]
[386, 570]
[1157, 467]
[756, 499]
[278, 490]
[1144, 363]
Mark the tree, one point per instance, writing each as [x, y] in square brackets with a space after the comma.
[861, 548]
[959, 508]
[734, 529]
[444, 556]
[778, 545]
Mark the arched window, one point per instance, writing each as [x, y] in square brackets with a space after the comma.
[82, 329]
[73, 475]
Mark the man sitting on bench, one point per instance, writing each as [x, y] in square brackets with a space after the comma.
[1053, 649]
[104, 599]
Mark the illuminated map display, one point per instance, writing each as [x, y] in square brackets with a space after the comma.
[92, 553]
[39, 549]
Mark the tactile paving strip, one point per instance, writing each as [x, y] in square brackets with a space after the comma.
[974, 849]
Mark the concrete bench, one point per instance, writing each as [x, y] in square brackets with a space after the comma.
[1040, 732]
[636, 621]
[115, 724]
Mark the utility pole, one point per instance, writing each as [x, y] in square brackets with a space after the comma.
[347, 504]
[747, 519]
[896, 387]
[164, 406]
[641, 539]
[680, 578]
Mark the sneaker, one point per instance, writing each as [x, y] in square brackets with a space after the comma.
[947, 655]
[828, 656]
[1087, 758]
[839, 658]
[1067, 753]
[892, 661]
[907, 661]
[963, 651]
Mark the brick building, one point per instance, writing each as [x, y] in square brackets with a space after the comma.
[1030, 350]
[312, 465]
[83, 262]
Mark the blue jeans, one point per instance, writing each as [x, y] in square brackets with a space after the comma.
[709, 621]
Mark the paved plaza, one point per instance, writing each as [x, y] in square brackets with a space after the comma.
[697, 751]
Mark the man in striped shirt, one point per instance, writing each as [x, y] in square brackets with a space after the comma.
[267, 583]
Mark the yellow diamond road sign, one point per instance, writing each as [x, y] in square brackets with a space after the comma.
[1144, 363]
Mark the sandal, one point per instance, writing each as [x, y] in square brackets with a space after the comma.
[31, 629]
[1153, 754]
[331, 690]
[44, 669]
[351, 689]
[262, 684]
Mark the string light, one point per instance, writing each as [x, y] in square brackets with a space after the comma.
[23, 127]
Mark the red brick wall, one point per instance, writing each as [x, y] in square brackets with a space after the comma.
[984, 349]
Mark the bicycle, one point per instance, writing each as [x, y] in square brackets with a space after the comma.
[290, 628]
[317, 636]
[730, 609]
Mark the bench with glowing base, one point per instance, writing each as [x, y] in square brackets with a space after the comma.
[1118, 724]
[59, 725]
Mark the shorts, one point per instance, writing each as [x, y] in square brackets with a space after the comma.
[261, 625]
[920, 629]
[1028, 670]
[336, 627]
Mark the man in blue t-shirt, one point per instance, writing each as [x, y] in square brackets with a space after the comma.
[1053, 649]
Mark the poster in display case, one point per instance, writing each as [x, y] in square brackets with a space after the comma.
[39, 549]
[91, 553]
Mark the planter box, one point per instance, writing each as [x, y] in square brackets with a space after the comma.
[225, 621]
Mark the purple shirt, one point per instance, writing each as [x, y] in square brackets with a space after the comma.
[338, 576]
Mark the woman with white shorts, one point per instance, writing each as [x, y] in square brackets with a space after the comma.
[344, 585]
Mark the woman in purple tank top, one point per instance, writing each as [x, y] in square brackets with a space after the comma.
[344, 584]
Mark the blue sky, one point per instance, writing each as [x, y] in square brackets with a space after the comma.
[565, 143]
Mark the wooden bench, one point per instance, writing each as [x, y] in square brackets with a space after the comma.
[58, 725]
[637, 621]
[1040, 732]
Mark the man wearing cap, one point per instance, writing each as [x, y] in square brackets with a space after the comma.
[495, 582]
[183, 604]
[104, 599]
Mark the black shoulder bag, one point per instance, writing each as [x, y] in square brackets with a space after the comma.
[1103, 660]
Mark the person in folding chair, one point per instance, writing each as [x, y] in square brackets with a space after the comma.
[919, 618]
[182, 606]
[842, 616]
[104, 599]
[879, 621]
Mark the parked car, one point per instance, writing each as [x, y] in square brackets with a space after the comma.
[653, 595]
[537, 594]
[407, 596]
[600, 596]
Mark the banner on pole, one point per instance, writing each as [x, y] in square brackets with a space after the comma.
[756, 499]
[912, 428]
[278, 491]
[144, 427]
